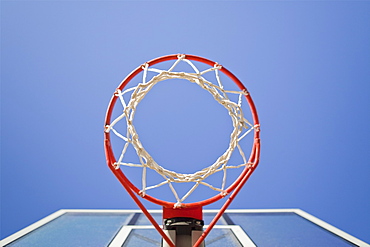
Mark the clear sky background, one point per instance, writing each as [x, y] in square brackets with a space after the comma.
[306, 64]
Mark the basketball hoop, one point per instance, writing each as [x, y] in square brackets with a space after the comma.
[180, 212]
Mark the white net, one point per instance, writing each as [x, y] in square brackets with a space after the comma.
[241, 128]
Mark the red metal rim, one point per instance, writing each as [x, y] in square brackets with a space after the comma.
[253, 159]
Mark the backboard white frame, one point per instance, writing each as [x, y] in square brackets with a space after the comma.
[122, 235]
[125, 231]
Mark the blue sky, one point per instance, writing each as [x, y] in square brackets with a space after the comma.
[306, 64]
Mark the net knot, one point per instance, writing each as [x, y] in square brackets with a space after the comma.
[178, 205]
[116, 165]
[142, 193]
[217, 66]
[249, 165]
[107, 128]
[181, 56]
[223, 193]
[144, 66]
[117, 92]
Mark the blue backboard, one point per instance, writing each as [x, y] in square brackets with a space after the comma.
[282, 227]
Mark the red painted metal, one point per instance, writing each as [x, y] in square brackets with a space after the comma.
[187, 208]
[123, 179]
[194, 212]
